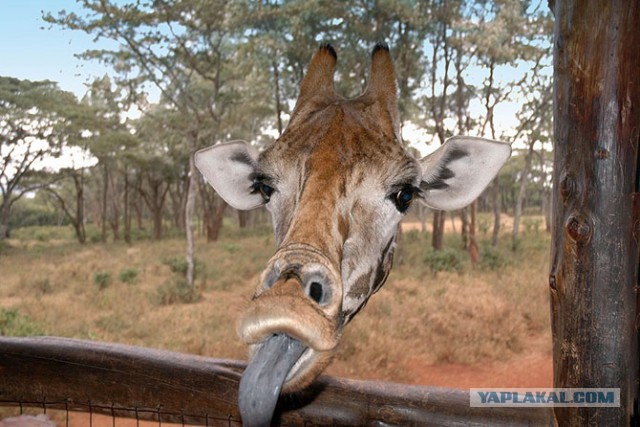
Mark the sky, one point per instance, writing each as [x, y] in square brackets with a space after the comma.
[31, 49]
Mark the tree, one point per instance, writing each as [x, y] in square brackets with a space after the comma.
[535, 119]
[172, 46]
[109, 144]
[517, 33]
[71, 199]
[36, 122]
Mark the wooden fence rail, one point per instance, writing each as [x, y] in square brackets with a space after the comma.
[127, 381]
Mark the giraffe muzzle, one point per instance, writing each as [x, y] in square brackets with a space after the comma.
[300, 294]
[299, 297]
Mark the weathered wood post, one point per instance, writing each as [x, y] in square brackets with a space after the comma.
[594, 260]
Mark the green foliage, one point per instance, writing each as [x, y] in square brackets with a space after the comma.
[26, 213]
[179, 265]
[447, 259]
[230, 247]
[128, 275]
[175, 291]
[491, 258]
[483, 226]
[4, 247]
[14, 324]
[102, 279]
[33, 113]
[43, 233]
[94, 236]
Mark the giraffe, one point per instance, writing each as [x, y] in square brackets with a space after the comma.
[337, 183]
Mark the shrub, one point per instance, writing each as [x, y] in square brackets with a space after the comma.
[102, 279]
[94, 236]
[178, 265]
[176, 291]
[43, 233]
[138, 234]
[4, 247]
[492, 259]
[14, 324]
[128, 276]
[447, 259]
[230, 247]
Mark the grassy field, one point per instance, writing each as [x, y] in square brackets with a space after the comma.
[435, 308]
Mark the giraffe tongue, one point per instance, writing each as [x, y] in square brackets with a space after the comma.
[262, 380]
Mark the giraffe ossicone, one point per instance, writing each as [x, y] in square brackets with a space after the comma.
[337, 183]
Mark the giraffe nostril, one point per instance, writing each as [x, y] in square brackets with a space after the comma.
[317, 287]
[315, 292]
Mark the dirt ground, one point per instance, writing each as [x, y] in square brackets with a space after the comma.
[533, 368]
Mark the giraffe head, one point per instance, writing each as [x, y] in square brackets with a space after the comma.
[337, 183]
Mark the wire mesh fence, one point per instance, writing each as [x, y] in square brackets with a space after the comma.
[167, 388]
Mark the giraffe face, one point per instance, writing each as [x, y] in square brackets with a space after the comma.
[337, 183]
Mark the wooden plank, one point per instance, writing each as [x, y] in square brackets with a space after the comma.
[594, 261]
[124, 381]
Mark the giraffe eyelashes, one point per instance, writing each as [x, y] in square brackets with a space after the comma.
[403, 198]
[264, 189]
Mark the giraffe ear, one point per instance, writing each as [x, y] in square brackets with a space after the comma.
[382, 90]
[230, 169]
[316, 87]
[456, 173]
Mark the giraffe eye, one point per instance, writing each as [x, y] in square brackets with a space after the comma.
[265, 190]
[403, 198]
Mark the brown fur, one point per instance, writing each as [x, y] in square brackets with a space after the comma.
[332, 156]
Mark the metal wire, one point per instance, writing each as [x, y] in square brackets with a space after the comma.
[71, 406]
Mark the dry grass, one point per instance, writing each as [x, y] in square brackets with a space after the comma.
[475, 316]
[468, 317]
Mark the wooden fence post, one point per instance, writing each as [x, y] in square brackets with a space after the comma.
[594, 261]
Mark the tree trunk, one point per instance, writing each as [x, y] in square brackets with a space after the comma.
[473, 243]
[215, 218]
[127, 208]
[105, 197]
[81, 233]
[114, 218]
[276, 78]
[497, 212]
[437, 238]
[157, 215]
[5, 211]
[188, 216]
[244, 219]
[137, 207]
[213, 207]
[155, 197]
[594, 261]
[464, 232]
[522, 192]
